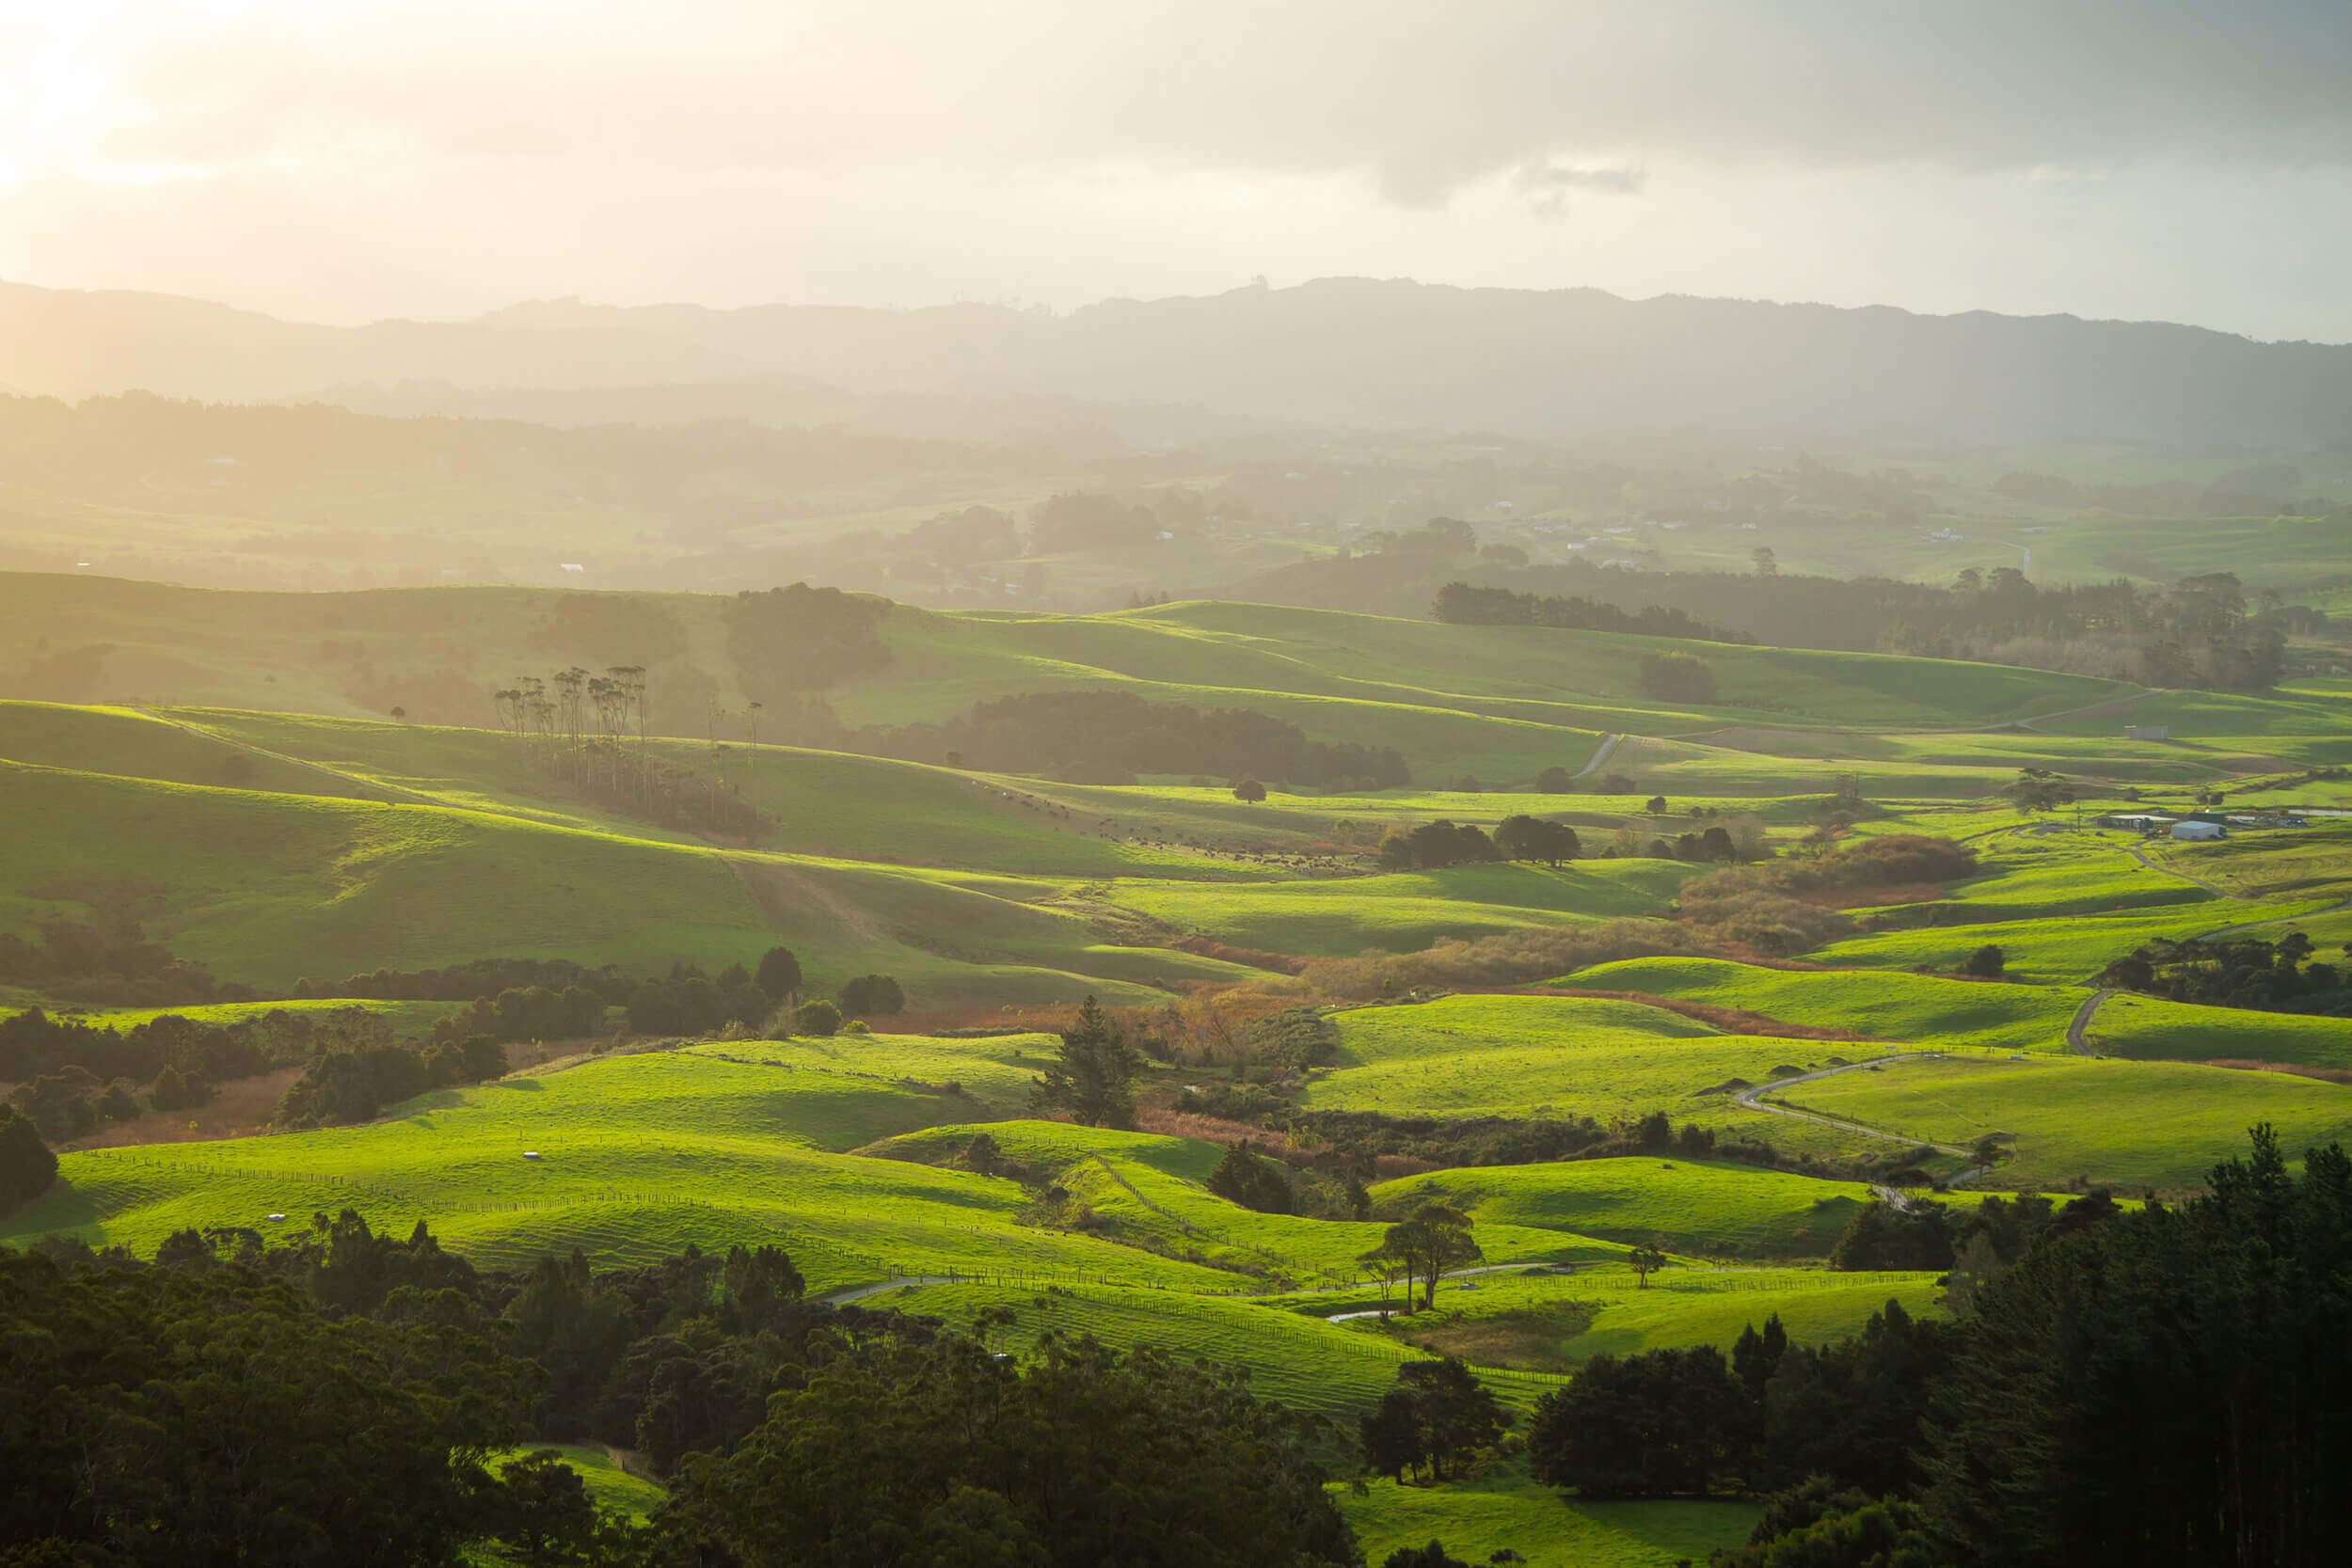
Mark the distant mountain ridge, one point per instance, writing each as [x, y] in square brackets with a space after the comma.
[1351, 352]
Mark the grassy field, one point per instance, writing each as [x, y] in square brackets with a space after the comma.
[2152, 1029]
[1922, 1009]
[608, 1485]
[269, 888]
[2161, 1124]
[1409, 911]
[1503, 1509]
[2057, 950]
[639, 1155]
[1700, 1207]
[1547, 1056]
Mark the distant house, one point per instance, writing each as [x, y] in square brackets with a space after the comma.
[2137, 821]
[572, 566]
[2147, 732]
[2199, 830]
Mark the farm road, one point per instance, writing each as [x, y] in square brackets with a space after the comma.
[2081, 1022]
[2214, 888]
[1609, 744]
[1753, 1099]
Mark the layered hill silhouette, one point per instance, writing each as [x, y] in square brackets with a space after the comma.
[1338, 351]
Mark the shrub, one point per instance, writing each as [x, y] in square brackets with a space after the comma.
[872, 996]
[1986, 962]
[27, 1168]
[1250, 790]
[1676, 678]
[820, 1017]
[1555, 781]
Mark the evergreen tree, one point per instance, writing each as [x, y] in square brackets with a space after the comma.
[1092, 1078]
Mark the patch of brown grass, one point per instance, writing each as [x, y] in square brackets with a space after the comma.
[1532, 1338]
[239, 1109]
[1208, 947]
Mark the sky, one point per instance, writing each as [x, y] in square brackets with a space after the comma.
[349, 160]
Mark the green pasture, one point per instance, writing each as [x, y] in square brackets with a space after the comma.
[2049, 950]
[270, 888]
[1404, 912]
[640, 1154]
[1548, 1323]
[1301, 1361]
[825, 803]
[608, 1485]
[2162, 1124]
[1543, 1055]
[2149, 1028]
[126, 741]
[1501, 1509]
[1700, 1207]
[2314, 861]
[1924, 1009]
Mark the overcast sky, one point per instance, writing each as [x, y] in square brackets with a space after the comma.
[343, 160]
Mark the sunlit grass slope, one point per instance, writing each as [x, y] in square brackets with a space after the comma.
[268, 888]
[1699, 1207]
[2135, 1123]
[827, 803]
[1147, 1187]
[1557, 1323]
[1923, 1009]
[125, 741]
[2050, 949]
[1504, 1509]
[1543, 1056]
[1406, 911]
[639, 1155]
[2151, 1028]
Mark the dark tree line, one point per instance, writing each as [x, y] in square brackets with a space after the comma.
[108, 961]
[2203, 630]
[2241, 972]
[372, 1375]
[798, 639]
[2129, 1388]
[1110, 737]
[1461, 605]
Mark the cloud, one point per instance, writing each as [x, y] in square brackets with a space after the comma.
[1420, 98]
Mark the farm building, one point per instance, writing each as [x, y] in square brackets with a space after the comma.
[2137, 821]
[2199, 829]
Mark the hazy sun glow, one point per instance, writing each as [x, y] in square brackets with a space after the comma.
[365, 158]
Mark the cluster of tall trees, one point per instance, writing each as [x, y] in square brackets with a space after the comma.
[71, 1075]
[1437, 1419]
[374, 1374]
[590, 731]
[1111, 737]
[2117, 1386]
[350, 1085]
[2203, 630]
[2240, 971]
